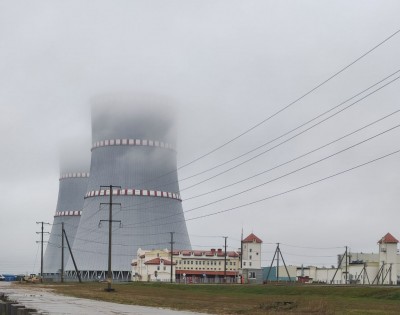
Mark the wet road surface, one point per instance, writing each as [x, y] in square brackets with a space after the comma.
[47, 302]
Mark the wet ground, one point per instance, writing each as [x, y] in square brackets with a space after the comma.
[47, 302]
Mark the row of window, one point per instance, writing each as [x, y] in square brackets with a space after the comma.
[191, 268]
[195, 262]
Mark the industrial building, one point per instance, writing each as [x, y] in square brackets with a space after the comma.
[353, 268]
[134, 152]
[200, 266]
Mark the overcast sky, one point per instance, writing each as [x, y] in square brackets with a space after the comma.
[227, 65]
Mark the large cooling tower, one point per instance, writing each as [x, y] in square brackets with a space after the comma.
[133, 147]
[72, 189]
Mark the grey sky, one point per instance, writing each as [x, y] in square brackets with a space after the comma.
[226, 65]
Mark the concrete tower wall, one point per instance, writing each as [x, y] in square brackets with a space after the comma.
[72, 189]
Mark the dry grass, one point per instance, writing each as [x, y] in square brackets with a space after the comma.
[244, 299]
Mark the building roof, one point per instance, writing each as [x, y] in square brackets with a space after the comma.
[252, 239]
[388, 239]
[208, 253]
[158, 261]
[206, 272]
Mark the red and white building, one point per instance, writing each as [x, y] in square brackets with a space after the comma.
[152, 265]
[199, 266]
[251, 271]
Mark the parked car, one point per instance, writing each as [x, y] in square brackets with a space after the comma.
[2, 278]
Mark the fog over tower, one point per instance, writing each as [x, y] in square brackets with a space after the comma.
[74, 165]
[133, 147]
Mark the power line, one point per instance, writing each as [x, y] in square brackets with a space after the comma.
[276, 178]
[291, 130]
[291, 138]
[286, 191]
[292, 103]
[296, 158]
[280, 110]
[298, 187]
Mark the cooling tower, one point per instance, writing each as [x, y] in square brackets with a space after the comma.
[134, 148]
[72, 188]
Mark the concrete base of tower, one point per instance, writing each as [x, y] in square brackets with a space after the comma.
[98, 275]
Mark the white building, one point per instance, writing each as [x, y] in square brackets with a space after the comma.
[359, 268]
[152, 265]
[200, 266]
[251, 262]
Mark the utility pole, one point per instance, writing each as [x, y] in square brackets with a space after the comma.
[41, 241]
[346, 265]
[277, 253]
[72, 256]
[62, 252]
[241, 250]
[277, 261]
[225, 237]
[110, 221]
[172, 255]
[340, 266]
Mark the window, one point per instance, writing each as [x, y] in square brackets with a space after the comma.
[250, 263]
[252, 275]
[250, 250]
[244, 263]
[165, 268]
[191, 262]
[250, 257]
[158, 267]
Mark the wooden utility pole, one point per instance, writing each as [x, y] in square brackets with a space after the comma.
[225, 237]
[172, 255]
[62, 252]
[41, 242]
[110, 221]
[277, 261]
[241, 250]
[72, 256]
[346, 266]
[277, 254]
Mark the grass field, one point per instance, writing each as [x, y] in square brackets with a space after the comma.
[244, 299]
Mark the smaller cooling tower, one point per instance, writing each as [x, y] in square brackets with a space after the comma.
[72, 189]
